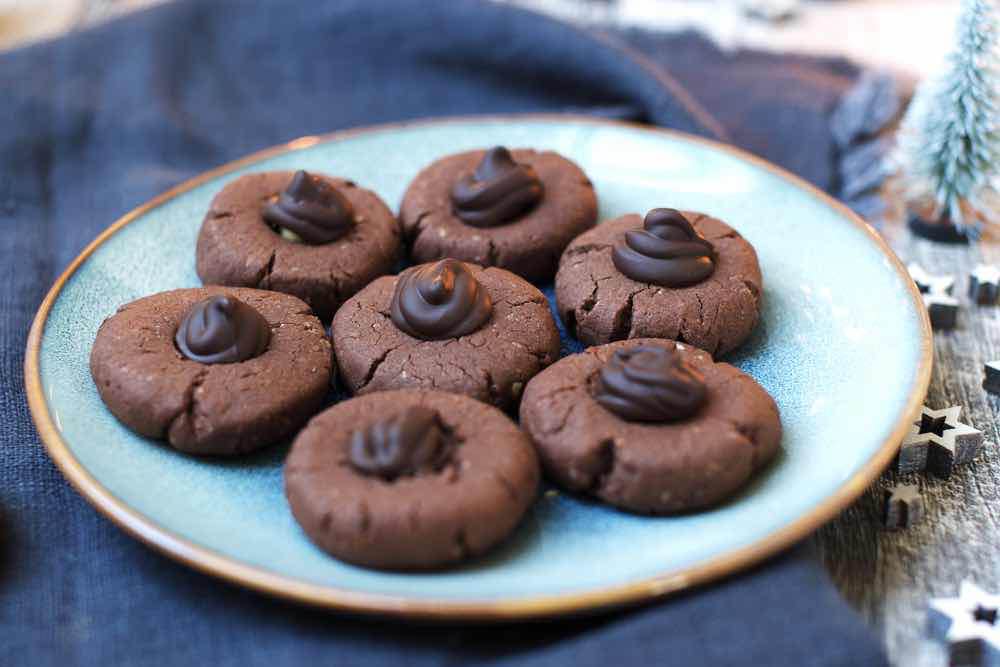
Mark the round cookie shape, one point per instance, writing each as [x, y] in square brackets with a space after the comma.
[599, 304]
[529, 245]
[491, 364]
[219, 408]
[650, 468]
[238, 247]
[433, 518]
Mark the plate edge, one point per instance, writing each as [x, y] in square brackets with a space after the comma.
[265, 581]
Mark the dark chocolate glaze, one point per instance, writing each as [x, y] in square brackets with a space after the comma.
[311, 208]
[406, 444]
[222, 330]
[650, 384]
[440, 300]
[499, 191]
[668, 251]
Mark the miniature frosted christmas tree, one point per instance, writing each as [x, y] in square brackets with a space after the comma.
[949, 146]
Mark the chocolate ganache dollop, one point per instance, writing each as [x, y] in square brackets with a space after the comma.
[406, 444]
[222, 330]
[668, 251]
[312, 209]
[650, 384]
[440, 300]
[499, 191]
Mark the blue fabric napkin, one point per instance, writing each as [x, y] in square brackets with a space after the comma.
[98, 122]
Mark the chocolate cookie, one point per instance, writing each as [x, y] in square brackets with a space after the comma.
[450, 326]
[516, 210]
[650, 425]
[316, 237]
[216, 370]
[679, 275]
[410, 479]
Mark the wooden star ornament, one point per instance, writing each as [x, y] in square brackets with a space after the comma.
[904, 506]
[937, 442]
[991, 377]
[941, 306]
[970, 624]
[929, 283]
[942, 309]
[984, 284]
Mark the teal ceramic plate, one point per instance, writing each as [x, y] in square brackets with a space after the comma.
[844, 347]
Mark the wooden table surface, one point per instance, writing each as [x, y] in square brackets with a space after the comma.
[888, 576]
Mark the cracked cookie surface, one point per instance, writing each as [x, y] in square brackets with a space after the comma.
[650, 468]
[421, 521]
[491, 364]
[217, 409]
[237, 247]
[599, 304]
[529, 246]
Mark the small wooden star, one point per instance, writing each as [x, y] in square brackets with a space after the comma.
[937, 442]
[942, 309]
[970, 624]
[991, 377]
[984, 284]
[928, 283]
[904, 506]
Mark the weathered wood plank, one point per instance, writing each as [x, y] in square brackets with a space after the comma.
[890, 576]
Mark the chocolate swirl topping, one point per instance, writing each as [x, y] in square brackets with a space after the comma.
[312, 209]
[406, 444]
[222, 330]
[668, 251]
[498, 191]
[650, 384]
[440, 300]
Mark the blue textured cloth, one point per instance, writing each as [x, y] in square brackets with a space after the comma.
[96, 123]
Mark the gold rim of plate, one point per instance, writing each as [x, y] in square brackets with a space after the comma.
[264, 581]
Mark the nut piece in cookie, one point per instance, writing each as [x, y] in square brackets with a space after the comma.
[650, 426]
[216, 370]
[515, 209]
[678, 275]
[316, 237]
[410, 479]
[449, 326]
